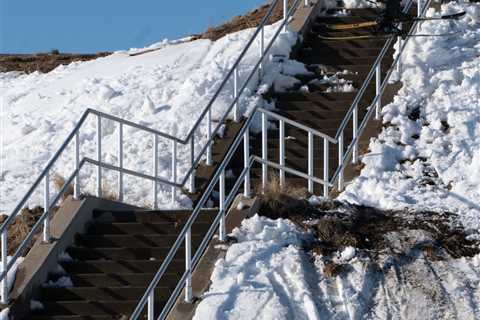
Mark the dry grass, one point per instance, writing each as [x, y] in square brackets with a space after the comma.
[58, 183]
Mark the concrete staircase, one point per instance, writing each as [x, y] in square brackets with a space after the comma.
[114, 261]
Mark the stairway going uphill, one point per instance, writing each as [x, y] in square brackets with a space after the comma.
[114, 258]
[322, 99]
[110, 265]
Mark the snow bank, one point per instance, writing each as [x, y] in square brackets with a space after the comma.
[429, 157]
[165, 89]
[4, 314]
[12, 272]
[263, 276]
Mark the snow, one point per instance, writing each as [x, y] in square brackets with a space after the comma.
[62, 282]
[431, 163]
[262, 276]
[36, 305]
[165, 89]
[4, 314]
[12, 272]
[347, 254]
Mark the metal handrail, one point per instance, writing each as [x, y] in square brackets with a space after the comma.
[185, 233]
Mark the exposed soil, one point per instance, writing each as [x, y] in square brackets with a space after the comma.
[376, 232]
[42, 62]
[249, 20]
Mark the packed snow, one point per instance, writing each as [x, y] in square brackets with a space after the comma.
[165, 89]
[428, 157]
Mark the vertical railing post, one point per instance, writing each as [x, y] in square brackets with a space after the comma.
[355, 128]
[419, 8]
[399, 62]
[378, 84]
[209, 137]
[174, 170]
[120, 161]
[188, 266]
[281, 124]
[310, 161]
[246, 162]
[325, 168]
[340, 162]
[46, 207]
[76, 186]
[4, 298]
[99, 156]
[262, 52]
[151, 306]
[222, 231]
[236, 111]
[264, 150]
[191, 187]
[285, 12]
[307, 3]
[155, 172]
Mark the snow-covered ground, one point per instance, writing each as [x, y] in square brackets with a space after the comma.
[268, 275]
[165, 89]
[429, 155]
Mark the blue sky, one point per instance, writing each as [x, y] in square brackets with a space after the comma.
[103, 25]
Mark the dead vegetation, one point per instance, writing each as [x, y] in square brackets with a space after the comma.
[249, 20]
[375, 232]
[42, 62]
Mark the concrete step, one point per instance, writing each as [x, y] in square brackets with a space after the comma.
[114, 279]
[175, 216]
[100, 293]
[127, 241]
[119, 266]
[131, 253]
[143, 228]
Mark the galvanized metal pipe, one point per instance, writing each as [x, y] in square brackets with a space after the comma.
[188, 266]
[46, 207]
[99, 156]
[285, 14]
[310, 161]
[222, 231]
[355, 128]
[76, 185]
[209, 138]
[378, 84]
[236, 112]
[264, 150]
[155, 172]
[246, 157]
[4, 295]
[281, 124]
[340, 162]
[325, 168]
[151, 306]
[262, 52]
[120, 162]
[174, 170]
[191, 187]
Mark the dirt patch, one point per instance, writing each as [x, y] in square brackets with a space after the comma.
[249, 20]
[42, 62]
[336, 226]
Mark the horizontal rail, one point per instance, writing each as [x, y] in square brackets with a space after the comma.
[297, 124]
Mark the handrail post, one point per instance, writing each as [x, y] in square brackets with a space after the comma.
[174, 170]
[151, 306]
[285, 14]
[191, 187]
[307, 3]
[155, 172]
[46, 207]
[340, 162]
[264, 150]
[281, 124]
[399, 41]
[4, 298]
[209, 137]
[76, 185]
[262, 52]
[325, 168]
[246, 158]
[378, 84]
[188, 266]
[355, 128]
[310, 161]
[222, 231]
[419, 8]
[120, 161]
[99, 156]
[236, 113]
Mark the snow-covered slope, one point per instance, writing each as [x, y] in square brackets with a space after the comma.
[429, 155]
[164, 89]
